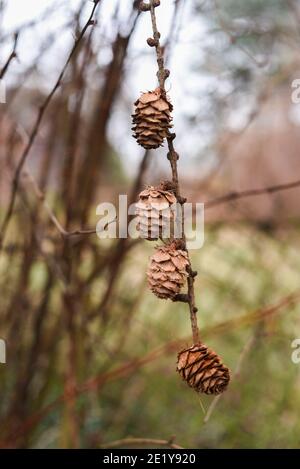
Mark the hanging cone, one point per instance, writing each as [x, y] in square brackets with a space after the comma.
[203, 369]
[156, 212]
[151, 119]
[167, 271]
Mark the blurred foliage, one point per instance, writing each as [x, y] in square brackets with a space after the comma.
[241, 269]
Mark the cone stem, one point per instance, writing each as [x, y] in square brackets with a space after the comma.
[161, 74]
[173, 157]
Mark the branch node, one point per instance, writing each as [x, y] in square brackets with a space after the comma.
[181, 200]
[172, 439]
[145, 6]
[152, 42]
[182, 297]
[172, 156]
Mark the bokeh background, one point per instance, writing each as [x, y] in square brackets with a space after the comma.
[91, 353]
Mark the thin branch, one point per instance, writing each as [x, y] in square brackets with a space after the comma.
[161, 74]
[232, 196]
[41, 197]
[141, 442]
[34, 132]
[11, 57]
[173, 157]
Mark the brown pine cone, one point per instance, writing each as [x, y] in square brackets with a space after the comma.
[167, 271]
[203, 369]
[156, 213]
[151, 119]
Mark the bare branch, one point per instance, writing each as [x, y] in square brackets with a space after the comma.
[141, 442]
[11, 57]
[41, 197]
[36, 126]
[173, 157]
[232, 196]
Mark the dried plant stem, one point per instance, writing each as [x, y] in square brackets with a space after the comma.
[233, 196]
[141, 442]
[11, 57]
[36, 126]
[161, 74]
[41, 197]
[173, 157]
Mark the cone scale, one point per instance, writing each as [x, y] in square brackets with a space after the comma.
[203, 369]
[167, 271]
[156, 213]
[151, 119]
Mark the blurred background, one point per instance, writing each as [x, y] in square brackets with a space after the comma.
[91, 353]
